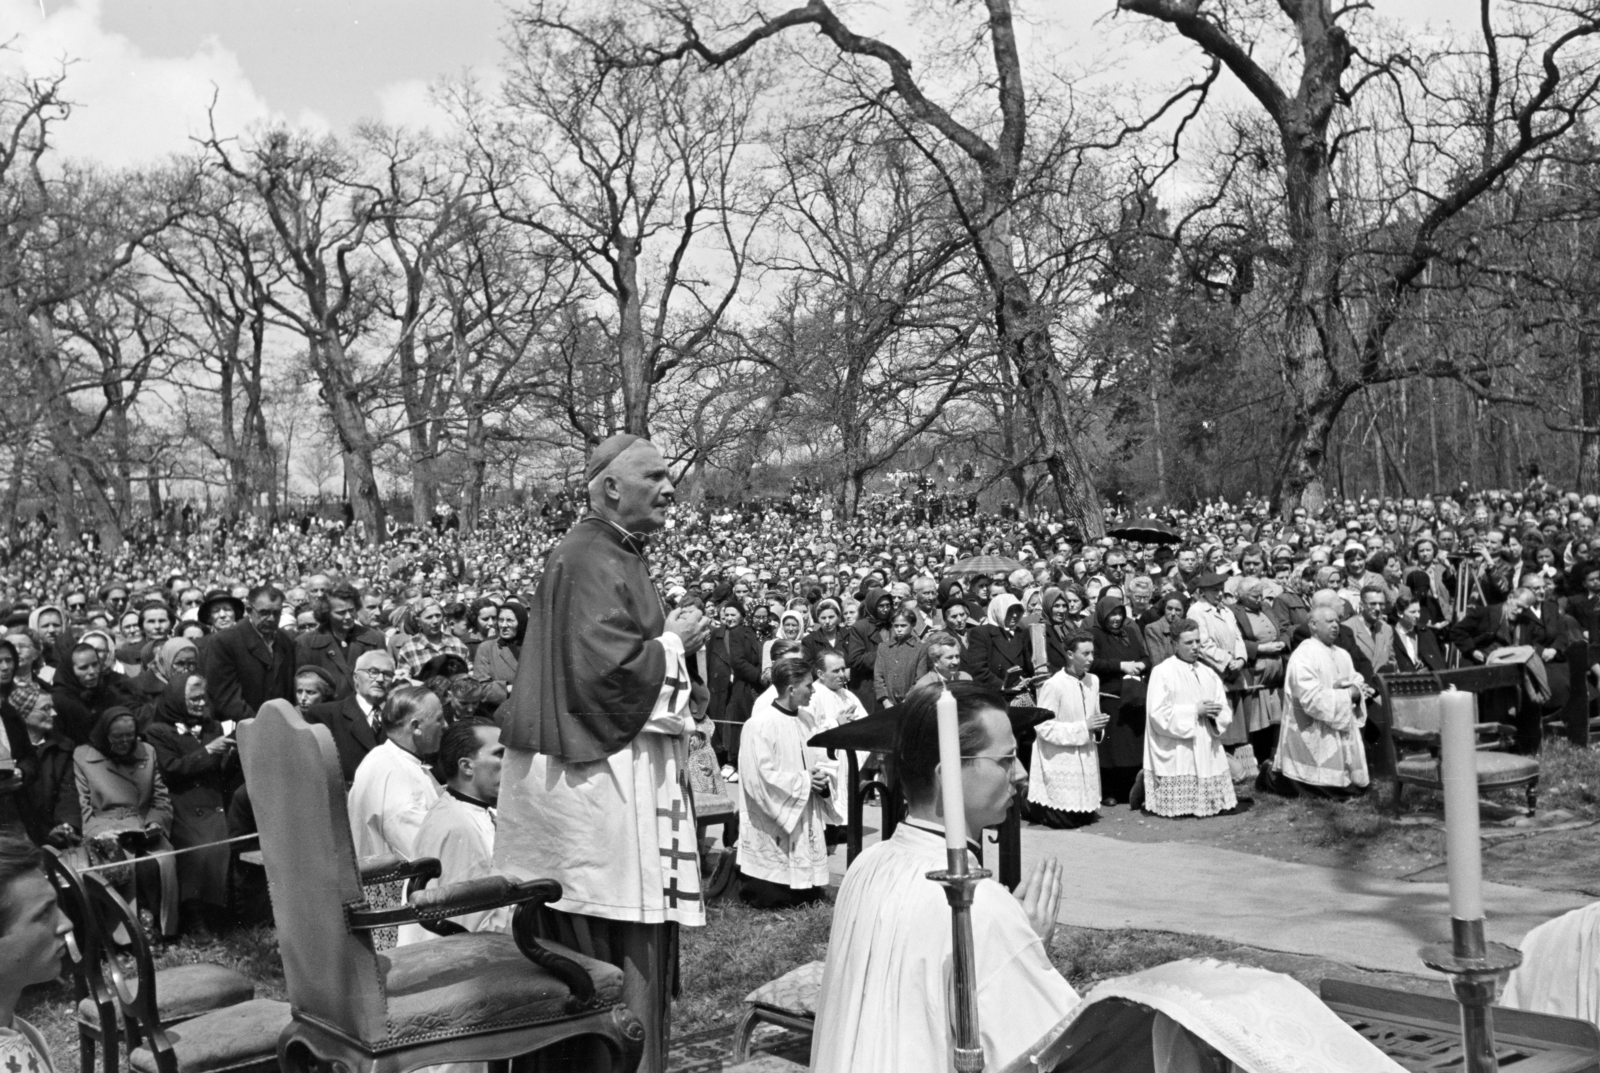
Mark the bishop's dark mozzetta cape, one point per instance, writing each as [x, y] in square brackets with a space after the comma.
[588, 676]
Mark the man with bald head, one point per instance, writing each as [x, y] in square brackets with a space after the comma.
[593, 787]
[1319, 744]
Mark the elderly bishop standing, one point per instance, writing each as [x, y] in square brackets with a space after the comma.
[593, 788]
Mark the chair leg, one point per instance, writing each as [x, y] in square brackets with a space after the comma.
[88, 1044]
[1399, 792]
[742, 1033]
[1533, 795]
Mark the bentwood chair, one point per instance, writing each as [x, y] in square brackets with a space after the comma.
[181, 991]
[238, 1038]
[478, 997]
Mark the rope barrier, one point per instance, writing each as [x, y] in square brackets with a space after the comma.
[167, 853]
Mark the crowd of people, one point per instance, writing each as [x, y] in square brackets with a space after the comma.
[1172, 670]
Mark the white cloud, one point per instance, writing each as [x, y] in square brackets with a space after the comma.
[129, 107]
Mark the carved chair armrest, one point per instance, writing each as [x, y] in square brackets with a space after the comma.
[391, 868]
[454, 899]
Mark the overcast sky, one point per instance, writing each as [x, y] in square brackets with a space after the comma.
[145, 70]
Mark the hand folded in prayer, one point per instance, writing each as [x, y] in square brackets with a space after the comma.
[819, 781]
[1040, 895]
[691, 625]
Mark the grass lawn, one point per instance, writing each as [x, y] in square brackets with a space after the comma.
[741, 948]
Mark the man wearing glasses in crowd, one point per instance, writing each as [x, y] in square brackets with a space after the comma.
[250, 662]
[354, 721]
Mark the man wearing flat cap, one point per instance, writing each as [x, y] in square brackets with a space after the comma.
[594, 789]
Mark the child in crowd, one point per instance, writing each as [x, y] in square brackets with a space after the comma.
[895, 672]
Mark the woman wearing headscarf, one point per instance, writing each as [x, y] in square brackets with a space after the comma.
[999, 647]
[861, 645]
[1056, 628]
[1122, 664]
[198, 764]
[126, 810]
[48, 623]
[791, 627]
[496, 661]
[176, 656]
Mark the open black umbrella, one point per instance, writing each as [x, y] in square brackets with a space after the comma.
[987, 565]
[1145, 531]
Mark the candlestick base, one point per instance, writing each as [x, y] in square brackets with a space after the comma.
[1474, 967]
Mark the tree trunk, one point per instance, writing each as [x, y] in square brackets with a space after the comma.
[631, 355]
[1158, 431]
[1025, 338]
[355, 441]
[1588, 415]
[13, 500]
[477, 470]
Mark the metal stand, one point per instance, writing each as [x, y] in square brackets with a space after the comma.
[959, 884]
[1473, 966]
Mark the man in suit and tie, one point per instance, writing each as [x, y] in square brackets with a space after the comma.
[1491, 626]
[1416, 647]
[354, 721]
[1373, 635]
[250, 662]
[339, 639]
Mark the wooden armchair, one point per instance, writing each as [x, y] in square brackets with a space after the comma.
[237, 1038]
[479, 997]
[1412, 703]
[181, 992]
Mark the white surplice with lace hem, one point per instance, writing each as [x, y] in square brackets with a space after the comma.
[1065, 773]
[781, 821]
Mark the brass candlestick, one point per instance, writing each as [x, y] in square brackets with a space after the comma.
[1474, 966]
[960, 882]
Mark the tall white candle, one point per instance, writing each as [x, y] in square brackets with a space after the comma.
[955, 808]
[1458, 770]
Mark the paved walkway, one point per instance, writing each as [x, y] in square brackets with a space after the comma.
[1336, 913]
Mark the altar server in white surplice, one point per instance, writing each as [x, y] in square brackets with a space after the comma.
[1064, 779]
[884, 1004]
[1185, 767]
[459, 829]
[393, 787]
[1319, 743]
[789, 793]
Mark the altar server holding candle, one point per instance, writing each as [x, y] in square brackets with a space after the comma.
[884, 1004]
